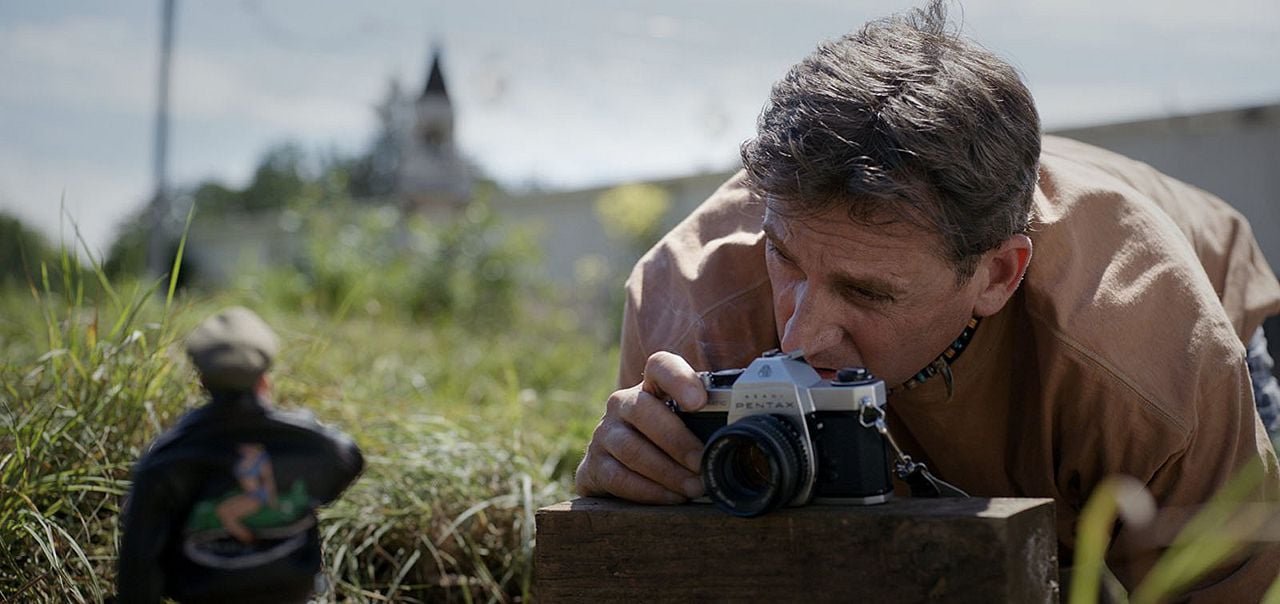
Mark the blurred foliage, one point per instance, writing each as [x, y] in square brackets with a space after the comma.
[279, 181]
[466, 433]
[467, 268]
[1229, 525]
[127, 255]
[21, 252]
[344, 255]
[373, 174]
[284, 178]
[633, 214]
[28, 261]
[347, 251]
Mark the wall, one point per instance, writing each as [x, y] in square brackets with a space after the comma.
[1233, 154]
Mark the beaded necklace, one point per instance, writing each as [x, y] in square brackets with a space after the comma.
[942, 364]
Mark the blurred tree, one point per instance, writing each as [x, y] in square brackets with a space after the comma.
[373, 174]
[280, 179]
[287, 178]
[473, 268]
[214, 197]
[21, 252]
[633, 213]
[127, 255]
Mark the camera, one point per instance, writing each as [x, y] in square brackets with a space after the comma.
[777, 434]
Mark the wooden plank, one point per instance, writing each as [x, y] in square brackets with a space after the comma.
[907, 550]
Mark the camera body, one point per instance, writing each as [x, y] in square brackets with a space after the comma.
[776, 434]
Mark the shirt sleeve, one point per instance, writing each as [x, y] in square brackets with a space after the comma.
[351, 460]
[632, 356]
[146, 523]
[1227, 436]
[702, 292]
[1220, 235]
[345, 463]
[1225, 244]
[1183, 451]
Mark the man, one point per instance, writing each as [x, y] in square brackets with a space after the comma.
[886, 217]
[222, 507]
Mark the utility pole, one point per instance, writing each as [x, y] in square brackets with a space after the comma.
[159, 236]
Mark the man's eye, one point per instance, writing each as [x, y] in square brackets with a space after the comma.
[773, 250]
[862, 293]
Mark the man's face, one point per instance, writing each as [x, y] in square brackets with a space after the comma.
[853, 295]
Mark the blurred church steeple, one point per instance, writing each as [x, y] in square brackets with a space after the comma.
[431, 172]
[435, 78]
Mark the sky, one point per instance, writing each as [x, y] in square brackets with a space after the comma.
[553, 94]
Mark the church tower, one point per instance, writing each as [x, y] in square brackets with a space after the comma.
[431, 175]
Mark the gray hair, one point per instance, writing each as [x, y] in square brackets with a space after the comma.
[903, 121]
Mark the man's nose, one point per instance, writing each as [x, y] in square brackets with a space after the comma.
[809, 328]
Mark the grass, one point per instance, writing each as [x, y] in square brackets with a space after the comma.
[1221, 530]
[466, 433]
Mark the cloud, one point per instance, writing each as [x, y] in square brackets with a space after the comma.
[213, 88]
[94, 197]
[77, 99]
[90, 62]
[564, 94]
[1084, 16]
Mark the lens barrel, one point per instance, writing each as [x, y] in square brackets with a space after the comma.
[754, 465]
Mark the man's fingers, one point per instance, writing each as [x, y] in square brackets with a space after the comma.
[641, 456]
[614, 477]
[641, 451]
[669, 376]
[651, 417]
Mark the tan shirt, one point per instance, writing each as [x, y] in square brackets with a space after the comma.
[1121, 352]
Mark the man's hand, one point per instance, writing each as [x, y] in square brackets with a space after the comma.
[641, 451]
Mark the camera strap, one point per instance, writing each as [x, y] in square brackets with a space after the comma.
[917, 476]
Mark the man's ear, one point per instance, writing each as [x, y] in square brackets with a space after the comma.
[998, 274]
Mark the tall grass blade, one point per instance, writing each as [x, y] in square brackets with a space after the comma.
[98, 269]
[444, 511]
[1116, 495]
[1273, 593]
[1217, 532]
[177, 266]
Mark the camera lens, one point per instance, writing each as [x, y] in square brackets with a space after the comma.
[749, 468]
[754, 465]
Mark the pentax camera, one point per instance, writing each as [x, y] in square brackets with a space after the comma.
[777, 434]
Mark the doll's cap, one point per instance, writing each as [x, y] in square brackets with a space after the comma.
[232, 349]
